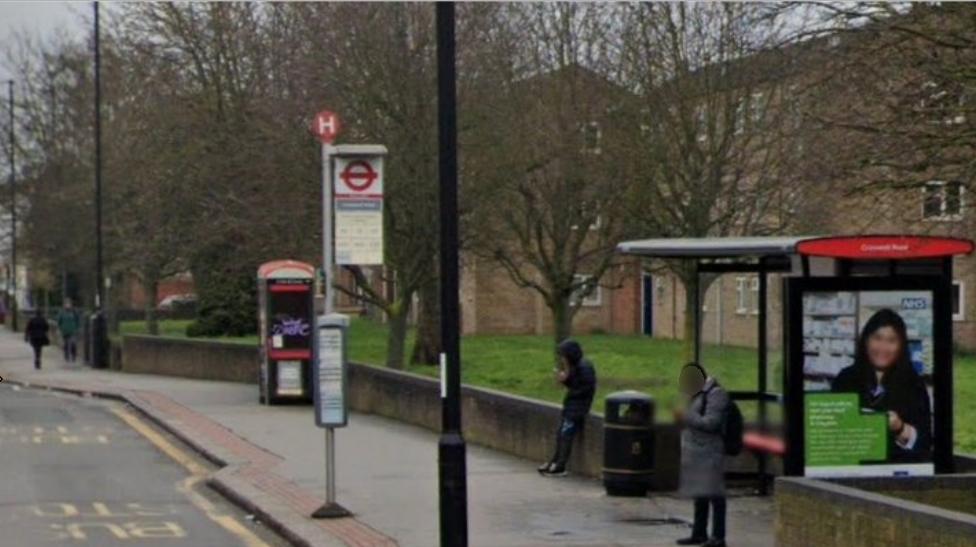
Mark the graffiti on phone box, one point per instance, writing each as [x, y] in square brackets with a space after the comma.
[290, 327]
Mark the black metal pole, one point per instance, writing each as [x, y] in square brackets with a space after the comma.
[99, 340]
[451, 449]
[13, 212]
[761, 381]
[696, 314]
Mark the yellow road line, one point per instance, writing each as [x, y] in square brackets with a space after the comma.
[187, 486]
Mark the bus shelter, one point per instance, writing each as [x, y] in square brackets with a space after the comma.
[836, 289]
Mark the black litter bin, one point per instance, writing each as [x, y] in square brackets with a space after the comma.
[628, 443]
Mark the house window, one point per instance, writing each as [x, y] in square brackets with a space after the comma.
[740, 116]
[958, 301]
[596, 223]
[754, 294]
[942, 200]
[757, 108]
[746, 295]
[741, 295]
[589, 294]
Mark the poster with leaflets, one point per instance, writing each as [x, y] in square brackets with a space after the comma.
[867, 368]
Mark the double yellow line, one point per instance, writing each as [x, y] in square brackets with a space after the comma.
[187, 486]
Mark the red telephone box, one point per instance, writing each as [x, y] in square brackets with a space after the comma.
[286, 319]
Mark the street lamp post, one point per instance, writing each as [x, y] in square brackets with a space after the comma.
[13, 212]
[451, 448]
[99, 335]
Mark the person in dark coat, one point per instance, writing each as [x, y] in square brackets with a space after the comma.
[885, 380]
[578, 375]
[702, 419]
[36, 335]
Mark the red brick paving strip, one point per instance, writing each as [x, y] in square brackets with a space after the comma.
[246, 460]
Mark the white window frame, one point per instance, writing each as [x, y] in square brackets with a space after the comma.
[943, 217]
[757, 108]
[594, 226]
[754, 294]
[961, 316]
[741, 295]
[592, 300]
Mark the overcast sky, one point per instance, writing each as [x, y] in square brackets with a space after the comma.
[39, 18]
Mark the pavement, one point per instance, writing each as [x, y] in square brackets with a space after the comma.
[89, 472]
[272, 463]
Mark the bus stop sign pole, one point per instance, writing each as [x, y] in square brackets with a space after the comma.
[329, 361]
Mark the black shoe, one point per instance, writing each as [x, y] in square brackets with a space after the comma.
[544, 468]
[692, 541]
[714, 543]
[555, 470]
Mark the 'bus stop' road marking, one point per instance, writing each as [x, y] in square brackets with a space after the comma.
[197, 475]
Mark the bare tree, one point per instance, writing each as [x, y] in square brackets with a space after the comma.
[903, 74]
[714, 130]
[552, 183]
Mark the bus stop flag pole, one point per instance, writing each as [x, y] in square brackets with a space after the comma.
[451, 449]
[330, 336]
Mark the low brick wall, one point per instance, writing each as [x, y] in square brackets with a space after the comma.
[870, 512]
[509, 423]
[516, 425]
[188, 358]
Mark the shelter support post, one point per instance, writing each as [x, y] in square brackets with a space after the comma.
[696, 313]
[762, 380]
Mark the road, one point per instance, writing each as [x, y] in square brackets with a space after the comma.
[81, 471]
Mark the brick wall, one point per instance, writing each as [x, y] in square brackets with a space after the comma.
[509, 423]
[810, 512]
[497, 305]
[201, 359]
[491, 303]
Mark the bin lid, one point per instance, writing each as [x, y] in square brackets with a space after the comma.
[629, 396]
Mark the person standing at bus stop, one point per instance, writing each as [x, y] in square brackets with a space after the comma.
[68, 323]
[702, 419]
[577, 374]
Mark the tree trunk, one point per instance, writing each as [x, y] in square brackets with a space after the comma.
[427, 346]
[689, 278]
[152, 294]
[396, 337]
[562, 319]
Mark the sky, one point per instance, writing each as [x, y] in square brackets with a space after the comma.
[40, 18]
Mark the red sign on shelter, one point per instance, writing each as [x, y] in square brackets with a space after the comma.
[885, 247]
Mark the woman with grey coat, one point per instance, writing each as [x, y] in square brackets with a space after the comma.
[702, 419]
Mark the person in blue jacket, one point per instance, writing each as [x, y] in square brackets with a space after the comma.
[577, 374]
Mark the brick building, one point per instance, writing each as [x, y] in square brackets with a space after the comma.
[646, 299]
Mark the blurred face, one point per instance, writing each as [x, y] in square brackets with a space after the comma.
[884, 347]
[690, 382]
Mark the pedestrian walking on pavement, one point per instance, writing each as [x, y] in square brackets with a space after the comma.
[702, 418]
[36, 335]
[577, 374]
[68, 322]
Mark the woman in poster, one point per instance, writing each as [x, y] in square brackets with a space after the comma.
[883, 376]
